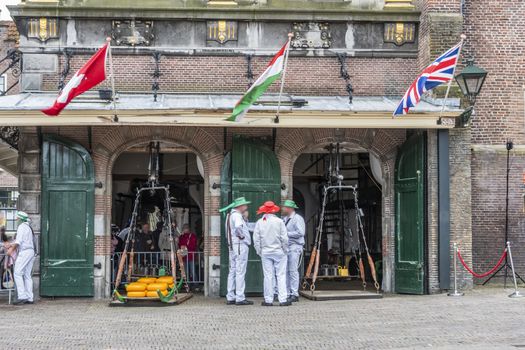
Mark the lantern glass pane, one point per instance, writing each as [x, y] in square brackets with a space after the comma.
[472, 84]
[461, 82]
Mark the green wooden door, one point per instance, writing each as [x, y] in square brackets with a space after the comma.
[409, 209]
[67, 219]
[250, 170]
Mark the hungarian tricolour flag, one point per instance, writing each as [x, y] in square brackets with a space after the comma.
[271, 74]
[90, 75]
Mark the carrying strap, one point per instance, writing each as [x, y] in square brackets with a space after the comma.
[35, 241]
[229, 231]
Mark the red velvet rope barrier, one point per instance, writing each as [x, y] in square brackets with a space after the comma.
[478, 275]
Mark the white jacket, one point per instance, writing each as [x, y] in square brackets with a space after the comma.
[270, 236]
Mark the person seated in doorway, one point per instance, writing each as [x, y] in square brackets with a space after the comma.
[188, 245]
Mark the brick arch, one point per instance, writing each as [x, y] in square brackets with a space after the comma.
[117, 140]
[380, 143]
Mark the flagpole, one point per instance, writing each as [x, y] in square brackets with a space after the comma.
[463, 37]
[285, 64]
[113, 94]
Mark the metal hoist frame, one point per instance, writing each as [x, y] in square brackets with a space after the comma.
[152, 186]
[335, 184]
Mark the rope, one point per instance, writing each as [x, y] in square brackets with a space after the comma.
[481, 275]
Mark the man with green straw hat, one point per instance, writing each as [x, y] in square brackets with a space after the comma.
[296, 230]
[26, 245]
[239, 241]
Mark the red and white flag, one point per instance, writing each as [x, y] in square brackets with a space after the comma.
[90, 75]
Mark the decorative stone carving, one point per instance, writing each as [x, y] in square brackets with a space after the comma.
[399, 33]
[132, 32]
[221, 31]
[42, 28]
[311, 35]
[10, 135]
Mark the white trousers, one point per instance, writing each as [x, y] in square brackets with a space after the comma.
[292, 280]
[237, 272]
[274, 265]
[22, 271]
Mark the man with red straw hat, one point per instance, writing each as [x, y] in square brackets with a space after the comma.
[270, 240]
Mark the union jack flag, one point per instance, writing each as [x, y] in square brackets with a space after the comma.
[438, 72]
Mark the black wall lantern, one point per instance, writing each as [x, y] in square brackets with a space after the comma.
[471, 80]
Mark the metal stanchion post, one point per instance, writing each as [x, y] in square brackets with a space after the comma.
[516, 293]
[456, 292]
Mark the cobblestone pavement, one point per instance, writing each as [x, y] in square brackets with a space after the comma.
[483, 319]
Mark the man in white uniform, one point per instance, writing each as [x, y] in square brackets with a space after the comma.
[270, 241]
[239, 241]
[296, 229]
[24, 242]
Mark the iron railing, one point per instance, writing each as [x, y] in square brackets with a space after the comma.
[151, 263]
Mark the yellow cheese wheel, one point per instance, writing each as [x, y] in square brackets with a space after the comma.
[136, 287]
[147, 280]
[165, 279]
[155, 295]
[136, 294]
[155, 286]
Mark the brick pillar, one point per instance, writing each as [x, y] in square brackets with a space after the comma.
[440, 29]
[461, 200]
[432, 212]
[102, 224]
[29, 186]
[212, 249]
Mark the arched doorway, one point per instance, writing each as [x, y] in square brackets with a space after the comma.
[342, 240]
[180, 169]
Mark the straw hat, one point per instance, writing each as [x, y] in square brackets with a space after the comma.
[236, 203]
[290, 204]
[268, 207]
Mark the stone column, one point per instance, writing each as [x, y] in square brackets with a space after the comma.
[29, 186]
[388, 223]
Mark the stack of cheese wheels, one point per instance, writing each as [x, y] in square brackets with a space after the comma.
[136, 290]
[153, 287]
[148, 286]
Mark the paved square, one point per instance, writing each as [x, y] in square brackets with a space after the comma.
[483, 319]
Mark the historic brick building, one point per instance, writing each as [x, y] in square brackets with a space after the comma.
[425, 179]
[493, 28]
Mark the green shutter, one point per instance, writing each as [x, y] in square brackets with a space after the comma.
[251, 170]
[409, 209]
[67, 219]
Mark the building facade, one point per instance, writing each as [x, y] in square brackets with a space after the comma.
[180, 67]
